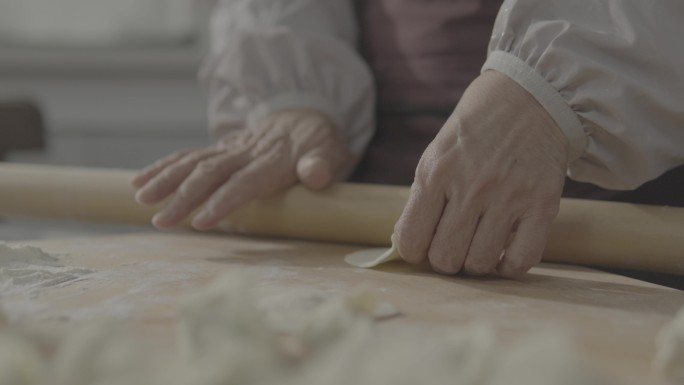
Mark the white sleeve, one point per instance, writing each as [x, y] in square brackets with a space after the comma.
[270, 55]
[610, 73]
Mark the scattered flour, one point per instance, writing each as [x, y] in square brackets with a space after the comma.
[224, 337]
[28, 270]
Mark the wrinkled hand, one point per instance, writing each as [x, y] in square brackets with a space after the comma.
[290, 146]
[488, 187]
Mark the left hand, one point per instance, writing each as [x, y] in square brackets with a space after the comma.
[488, 187]
[289, 146]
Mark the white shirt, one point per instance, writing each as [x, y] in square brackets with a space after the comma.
[610, 73]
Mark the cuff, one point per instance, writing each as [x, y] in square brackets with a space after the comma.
[511, 66]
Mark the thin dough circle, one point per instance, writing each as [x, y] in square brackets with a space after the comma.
[373, 257]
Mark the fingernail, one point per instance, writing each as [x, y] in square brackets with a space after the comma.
[314, 173]
[200, 219]
[161, 218]
[140, 197]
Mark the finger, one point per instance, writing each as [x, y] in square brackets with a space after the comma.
[525, 251]
[239, 139]
[208, 175]
[167, 181]
[314, 172]
[416, 226]
[488, 243]
[260, 178]
[452, 239]
[147, 173]
[319, 167]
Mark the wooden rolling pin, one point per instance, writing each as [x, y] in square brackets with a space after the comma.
[649, 238]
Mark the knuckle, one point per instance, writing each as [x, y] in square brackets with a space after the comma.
[407, 249]
[173, 158]
[185, 192]
[208, 167]
[260, 148]
[424, 175]
[424, 171]
[180, 153]
[276, 156]
[434, 167]
[165, 177]
[255, 179]
[442, 169]
[195, 157]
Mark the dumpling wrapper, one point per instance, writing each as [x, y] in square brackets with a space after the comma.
[373, 257]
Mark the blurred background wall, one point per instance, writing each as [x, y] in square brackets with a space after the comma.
[115, 80]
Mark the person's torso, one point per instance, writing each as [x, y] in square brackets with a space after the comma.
[423, 54]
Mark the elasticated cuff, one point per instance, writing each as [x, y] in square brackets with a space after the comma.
[513, 67]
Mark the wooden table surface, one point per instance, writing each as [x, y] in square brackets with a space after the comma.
[140, 276]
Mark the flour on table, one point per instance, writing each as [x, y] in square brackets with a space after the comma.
[669, 358]
[29, 270]
[224, 337]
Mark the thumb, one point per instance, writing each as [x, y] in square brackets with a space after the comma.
[318, 168]
[314, 172]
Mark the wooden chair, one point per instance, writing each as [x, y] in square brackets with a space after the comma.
[21, 127]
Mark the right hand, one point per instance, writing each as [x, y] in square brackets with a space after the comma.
[488, 188]
[296, 145]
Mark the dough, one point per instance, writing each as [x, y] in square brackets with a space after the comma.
[225, 338]
[365, 302]
[669, 358]
[333, 318]
[20, 363]
[549, 357]
[373, 257]
[101, 352]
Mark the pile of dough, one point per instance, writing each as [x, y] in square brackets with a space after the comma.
[669, 358]
[20, 362]
[549, 357]
[223, 337]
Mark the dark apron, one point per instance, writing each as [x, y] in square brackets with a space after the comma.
[423, 54]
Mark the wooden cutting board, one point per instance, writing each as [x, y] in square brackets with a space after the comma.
[140, 276]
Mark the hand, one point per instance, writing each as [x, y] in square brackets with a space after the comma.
[289, 146]
[488, 187]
